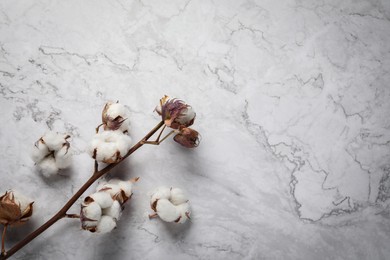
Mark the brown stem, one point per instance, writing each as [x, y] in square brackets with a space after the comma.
[3, 240]
[72, 216]
[62, 212]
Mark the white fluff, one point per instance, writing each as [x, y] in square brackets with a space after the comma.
[39, 151]
[114, 211]
[167, 211]
[63, 157]
[54, 141]
[22, 200]
[48, 166]
[160, 193]
[184, 210]
[105, 225]
[187, 116]
[111, 189]
[107, 144]
[126, 186]
[92, 212]
[178, 196]
[103, 199]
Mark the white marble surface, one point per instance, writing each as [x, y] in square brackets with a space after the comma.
[292, 101]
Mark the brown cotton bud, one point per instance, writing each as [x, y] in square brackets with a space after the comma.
[15, 208]
[187, 137]
[175, 113]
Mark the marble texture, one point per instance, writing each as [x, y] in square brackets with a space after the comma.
[292, 101]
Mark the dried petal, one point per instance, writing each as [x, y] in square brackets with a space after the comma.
[15, 208]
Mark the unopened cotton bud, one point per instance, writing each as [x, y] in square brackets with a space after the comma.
[106, 224]
[178, 196]
[166, 210]
[114, 211]
[187, 137]
[102, 198]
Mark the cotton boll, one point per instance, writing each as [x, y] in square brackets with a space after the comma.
[102, 198]
[166, 210]
[187, 116]
[48, 166]
[178, 196]
[114, 211]
[90, 214]
[54, 141]
[63, 157]
[39, 151]
[116, 110]
[105, 225]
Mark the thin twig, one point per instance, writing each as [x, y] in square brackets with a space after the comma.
[62, 212]
[157, 142]
[3, 240]
[72, 216]
[96, 167]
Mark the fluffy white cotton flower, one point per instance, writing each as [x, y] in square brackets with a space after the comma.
[106, 224]
[52, 153]
[109, 146]
[170, 204]
[109, 197]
